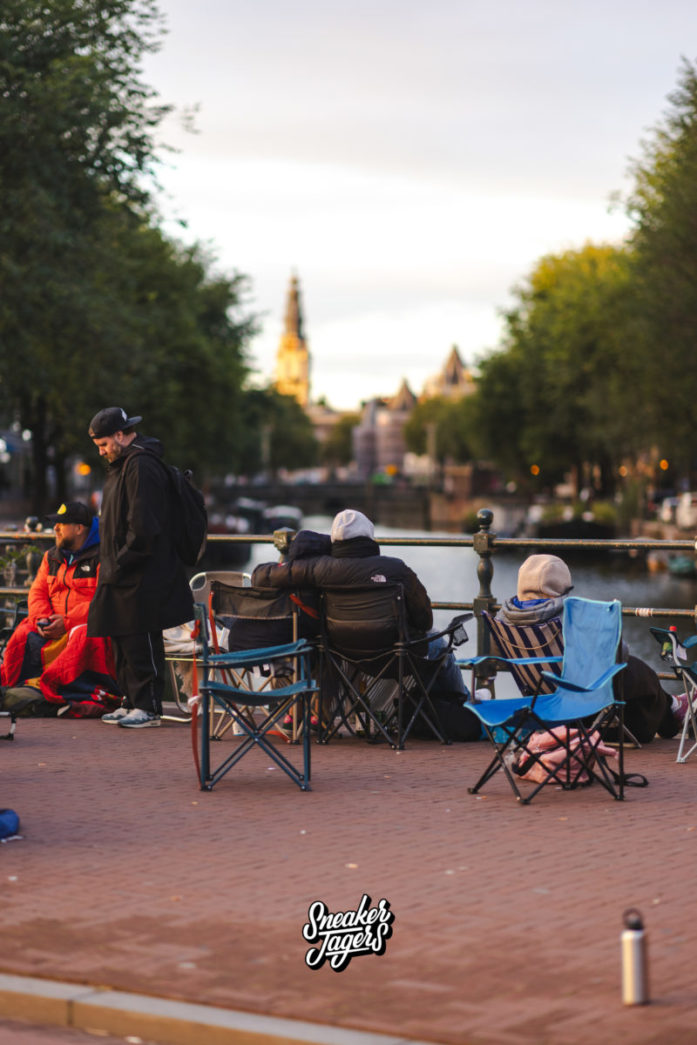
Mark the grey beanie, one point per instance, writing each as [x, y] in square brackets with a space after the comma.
[543, 577]
[350, 523]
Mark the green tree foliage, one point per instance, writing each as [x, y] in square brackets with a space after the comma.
[452, 421]
[663, 206]
[276, 433]
[557, 393]
[96, 305]
[337, 449]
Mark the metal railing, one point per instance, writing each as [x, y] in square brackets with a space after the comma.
[485, 543]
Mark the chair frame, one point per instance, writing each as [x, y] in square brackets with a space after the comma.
[518, 717]
[677, 658]
[233, 700]
[404, 652]
[526, 669]
[16, 614]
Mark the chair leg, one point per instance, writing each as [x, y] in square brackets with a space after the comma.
[690, 724]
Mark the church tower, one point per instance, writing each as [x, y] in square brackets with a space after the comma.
[293, 357]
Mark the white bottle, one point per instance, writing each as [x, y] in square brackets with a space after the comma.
[635, 974]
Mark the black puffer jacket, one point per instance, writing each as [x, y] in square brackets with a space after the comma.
[142, 584]
[355, 562]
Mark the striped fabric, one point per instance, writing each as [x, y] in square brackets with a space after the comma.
[527, 640]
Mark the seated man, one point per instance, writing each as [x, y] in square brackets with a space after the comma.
[543, 583]
[49, 652]
[351, 556]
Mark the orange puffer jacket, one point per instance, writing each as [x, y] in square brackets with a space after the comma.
[65, 589]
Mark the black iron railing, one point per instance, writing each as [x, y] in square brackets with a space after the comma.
[485, 543]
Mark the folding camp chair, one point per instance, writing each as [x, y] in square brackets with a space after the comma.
[364, 641]
[674, 652]
[523, 650]
[255, 713]
[581, 699]
[179, 645]
[14, 616]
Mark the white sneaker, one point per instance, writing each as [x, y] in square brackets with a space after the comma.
[115, 716]
[136, 718]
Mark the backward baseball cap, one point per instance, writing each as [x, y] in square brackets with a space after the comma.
[109, 420]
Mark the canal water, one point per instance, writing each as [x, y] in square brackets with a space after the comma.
[450, 575]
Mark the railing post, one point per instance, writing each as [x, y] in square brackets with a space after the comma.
[483, 543]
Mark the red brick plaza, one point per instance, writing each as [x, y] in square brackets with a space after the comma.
[507, 918]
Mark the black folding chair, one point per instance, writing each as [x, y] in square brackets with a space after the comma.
[364, 641]
[13, 615]
[255, 686]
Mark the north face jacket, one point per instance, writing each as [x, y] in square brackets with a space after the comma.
[66, 583]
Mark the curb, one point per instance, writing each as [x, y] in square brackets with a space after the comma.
[167, 1022]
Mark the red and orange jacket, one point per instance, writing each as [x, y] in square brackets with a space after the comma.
[66, 587]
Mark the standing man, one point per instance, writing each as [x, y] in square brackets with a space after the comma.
[142, 585]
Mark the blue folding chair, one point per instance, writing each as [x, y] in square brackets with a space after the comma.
[256, 713]
[582, 698]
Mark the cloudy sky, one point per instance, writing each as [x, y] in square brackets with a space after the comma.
[410, 161]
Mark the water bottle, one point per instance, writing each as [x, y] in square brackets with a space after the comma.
[635, 979]
[667, 647]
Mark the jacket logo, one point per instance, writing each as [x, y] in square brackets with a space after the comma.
[378, 578]
[85, 567]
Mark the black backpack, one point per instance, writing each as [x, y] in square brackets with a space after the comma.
[190, 521]
[190, 524]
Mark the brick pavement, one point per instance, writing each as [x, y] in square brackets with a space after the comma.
[507, 918]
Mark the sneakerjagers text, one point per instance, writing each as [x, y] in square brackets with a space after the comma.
[346, 934]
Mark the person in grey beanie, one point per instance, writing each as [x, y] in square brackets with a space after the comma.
[544, 581]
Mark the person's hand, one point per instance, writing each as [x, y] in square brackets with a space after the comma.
[55, 627]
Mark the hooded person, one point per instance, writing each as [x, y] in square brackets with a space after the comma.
[352, 557]
[544, 581]
[50, 665]
[142, 587]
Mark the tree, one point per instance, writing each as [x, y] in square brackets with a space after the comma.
[337, 449]
[96, 305]
[558, 394]
[663, 207]
[452, 420]
[276, 433]
[75, 129]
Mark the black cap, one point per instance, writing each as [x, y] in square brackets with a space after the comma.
[72, 512]
[109, 420]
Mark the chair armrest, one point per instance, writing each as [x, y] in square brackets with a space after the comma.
[563, 683]
[455, 625]
[473, 661]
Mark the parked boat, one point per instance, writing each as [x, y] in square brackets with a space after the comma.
[682, 566]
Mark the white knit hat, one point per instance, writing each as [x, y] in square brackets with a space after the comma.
[350, 523]
[543, 577]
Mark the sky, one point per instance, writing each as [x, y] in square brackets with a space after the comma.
[410, 161]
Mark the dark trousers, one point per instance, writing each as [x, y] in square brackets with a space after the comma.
[140, 669]
[647, 708]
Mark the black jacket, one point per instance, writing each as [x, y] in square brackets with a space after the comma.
[356, 562]
[142, 584]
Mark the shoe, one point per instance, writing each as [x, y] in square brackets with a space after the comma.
[136, 718]
[115, 716]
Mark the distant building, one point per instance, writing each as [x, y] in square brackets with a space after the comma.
[292, 376]
[378, 441]
[454, 381]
